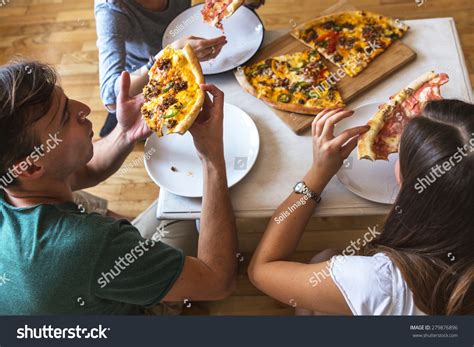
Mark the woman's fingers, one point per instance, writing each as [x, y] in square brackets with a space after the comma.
[349, 147]
[217, 41]
[343, 137]
[322, 117]
[332, 120]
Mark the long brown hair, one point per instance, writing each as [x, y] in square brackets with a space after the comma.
[429, 233]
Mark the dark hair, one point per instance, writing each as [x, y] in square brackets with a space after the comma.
[26, 90]
[429, 233]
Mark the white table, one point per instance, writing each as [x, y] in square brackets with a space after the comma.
[284, 157]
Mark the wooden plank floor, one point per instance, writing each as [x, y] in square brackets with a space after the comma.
[62, 33]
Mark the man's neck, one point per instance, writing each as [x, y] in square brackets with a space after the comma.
[52, 193]
[154, 5]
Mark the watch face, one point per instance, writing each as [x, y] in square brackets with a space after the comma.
[299, 187]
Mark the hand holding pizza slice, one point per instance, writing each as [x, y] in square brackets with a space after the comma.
[387, 125]
[173, 96]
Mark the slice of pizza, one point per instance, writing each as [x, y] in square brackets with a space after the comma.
[387, 125]
[214, 11]
[350, 40]
[173, 97]
[294, 82]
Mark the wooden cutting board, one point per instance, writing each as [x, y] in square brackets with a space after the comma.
[396, 56]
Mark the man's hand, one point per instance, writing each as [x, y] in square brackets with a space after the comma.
[208, 130]
[254, 4]
[128, 112]
[204, 49]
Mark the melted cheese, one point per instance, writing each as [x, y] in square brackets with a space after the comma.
[165, 79]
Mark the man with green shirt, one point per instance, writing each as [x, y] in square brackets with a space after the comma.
[55, 258]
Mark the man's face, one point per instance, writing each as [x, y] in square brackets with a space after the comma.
[66, 137]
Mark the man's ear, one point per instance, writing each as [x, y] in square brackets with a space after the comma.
[28, 171]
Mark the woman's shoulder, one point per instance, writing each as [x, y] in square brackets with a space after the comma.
[372, 285]
[111, 6]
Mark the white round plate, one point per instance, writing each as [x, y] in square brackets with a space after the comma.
[244, 31]
[372, 180]
[241, 146]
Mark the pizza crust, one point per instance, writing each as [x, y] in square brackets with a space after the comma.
[376, 123]
[233, 7]
[195, 66]
[244, 83]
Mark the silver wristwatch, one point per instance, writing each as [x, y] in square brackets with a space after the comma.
[302, 188]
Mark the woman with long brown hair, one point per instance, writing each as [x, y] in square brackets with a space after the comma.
[421, 262]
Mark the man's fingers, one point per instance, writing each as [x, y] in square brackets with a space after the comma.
[217, 94]
[204, 114]
[124, 87]
[140, 98]
[332, 120]
[349, 133]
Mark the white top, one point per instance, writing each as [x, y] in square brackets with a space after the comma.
[373, 285]
[285, 157]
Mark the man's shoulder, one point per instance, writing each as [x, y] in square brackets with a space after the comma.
[85, 225]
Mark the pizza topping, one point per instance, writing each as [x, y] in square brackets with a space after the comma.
[163, 64]
[172, 94]
[181, 85]
[311, 35]
[343, 38]
[347, 42]
[294, 79]
[285, 98]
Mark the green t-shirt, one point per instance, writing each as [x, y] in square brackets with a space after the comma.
[55, 259]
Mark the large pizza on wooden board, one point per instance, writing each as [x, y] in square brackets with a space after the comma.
[214, 11]
[173, 97]
[294, 82]
[387, 125]
[352, 39]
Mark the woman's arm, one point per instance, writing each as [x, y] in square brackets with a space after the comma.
[270, 269]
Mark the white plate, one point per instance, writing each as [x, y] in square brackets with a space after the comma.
[241, 146]
[244, 31]
[372, 180]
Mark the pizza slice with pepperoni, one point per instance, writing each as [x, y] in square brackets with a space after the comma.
[387, 125]
[214, 11]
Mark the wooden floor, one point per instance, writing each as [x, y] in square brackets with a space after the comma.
[62, 33]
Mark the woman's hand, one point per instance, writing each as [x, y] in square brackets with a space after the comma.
[254, 4]
[329, 152]
[204, 49]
